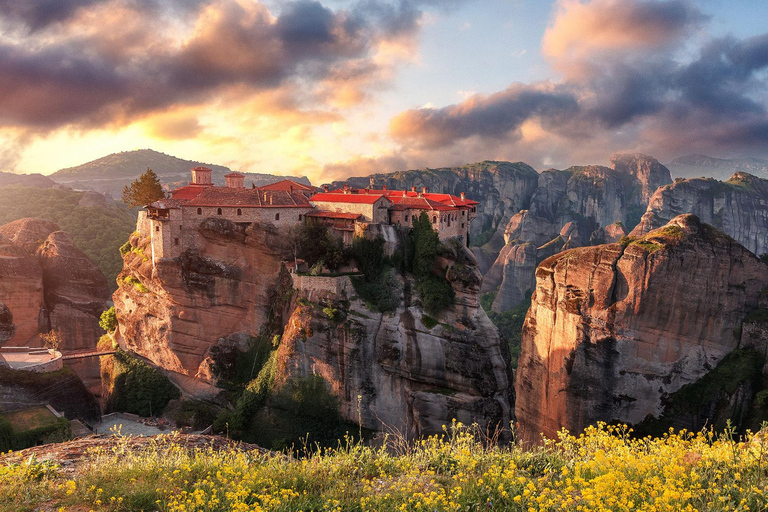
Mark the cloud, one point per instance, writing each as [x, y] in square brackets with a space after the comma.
[363, 166]
[625, 87]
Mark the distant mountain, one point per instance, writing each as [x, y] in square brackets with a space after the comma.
[111, 173]
[26, 180]
[703, 166]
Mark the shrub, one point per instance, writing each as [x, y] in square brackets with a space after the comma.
[369, 255]
[382, 295]
[509, 323]
[108, 320]
[138, 388]
[435, 293]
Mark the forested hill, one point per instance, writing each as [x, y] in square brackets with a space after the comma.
[110, 173]
[98, 226]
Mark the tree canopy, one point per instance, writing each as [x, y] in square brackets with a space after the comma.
[144, 190]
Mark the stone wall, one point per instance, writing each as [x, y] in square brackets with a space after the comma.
[316, 287]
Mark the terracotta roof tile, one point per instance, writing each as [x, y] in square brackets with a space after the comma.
[254, 198]
[419, 203]
[334, 215]
[328, 197]
[188, 192]
[288, 185]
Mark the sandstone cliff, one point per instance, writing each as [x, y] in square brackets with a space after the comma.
[47, 284]
[413, 373]
[174, 313]
[43, 263]
[738, 207]
[614, 329]
[571, 208]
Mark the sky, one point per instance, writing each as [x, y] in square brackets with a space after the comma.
[333, 88]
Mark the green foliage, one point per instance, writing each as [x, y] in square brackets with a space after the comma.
[369, 256]
[509, 323]
[426, 242]
[253, 397]
[483, 237]
[138, 388]
[97, 231]
[144, 190]
[436, 294]
[136, 283]
[51, 431]
[315, 244]
[383, 294]
[196, 414]
[303, 411]
[428, 321]
[234, 368]
[125, 248]
[708, 396]
[108, 320]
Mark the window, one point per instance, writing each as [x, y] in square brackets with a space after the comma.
[199, 211]
[175, 241]
[462, 224]
[434, 220]
[277, 216]
[299, 217]
[406, 218]
[463, 213]
[218, 211]
[239, 211]
[157, 228]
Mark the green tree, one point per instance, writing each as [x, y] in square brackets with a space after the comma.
[108, 320]
[144, 190]
[426, 242]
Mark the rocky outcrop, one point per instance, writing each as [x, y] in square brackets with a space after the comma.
[694, 166]
[578, 206]
[738, 207]
[402, 370]
[21, 293]
[613, 329]
[502, 188]
[174, 313]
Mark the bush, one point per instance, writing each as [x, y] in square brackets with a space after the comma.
[435, 293]
[108, 320]
[304, 411]
[509, 323]
[382, 295]
[369, 255]
[138, 388]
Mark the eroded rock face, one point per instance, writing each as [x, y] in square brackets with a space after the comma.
[578, 206]
[21, 295]
[738, 207]
[612, 328]
[409, 376]
[76, 292]
[173, 313]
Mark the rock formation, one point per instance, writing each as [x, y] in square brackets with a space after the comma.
[174, 313]
[48, 284]
[571, 208]
[613, 329]
[411, 373]
[738, 207]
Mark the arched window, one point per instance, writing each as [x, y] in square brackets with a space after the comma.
[299, 217]
[218, 211]
[239, 211]
[406, 218]
[277, 216]
[434, 220]
[199, 211]
[157, 228]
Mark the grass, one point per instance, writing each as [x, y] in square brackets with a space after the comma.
[603, 469]
[30, 419]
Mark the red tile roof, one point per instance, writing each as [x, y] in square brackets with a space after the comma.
[334, 215]
[288, 185]
[254, 198]
[419, 203]
[329, 197]
[234, 175]
[447, 199]
[188, 192]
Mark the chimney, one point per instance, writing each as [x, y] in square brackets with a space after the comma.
[383, 187]
[325, 188]
[463, 196]
[423, 190]
[413, 189]
[346, 188]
